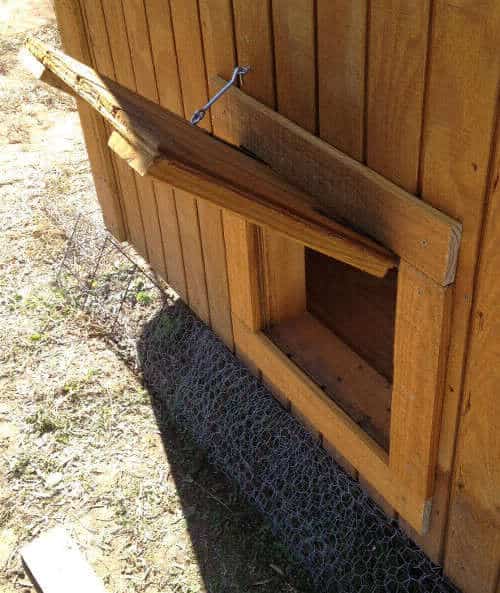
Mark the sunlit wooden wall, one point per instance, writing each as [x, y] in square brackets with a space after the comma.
[409, 87]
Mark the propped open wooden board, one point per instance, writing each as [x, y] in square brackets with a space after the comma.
[156, 142]
[346, 189]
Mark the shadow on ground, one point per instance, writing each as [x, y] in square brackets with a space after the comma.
[234, 546]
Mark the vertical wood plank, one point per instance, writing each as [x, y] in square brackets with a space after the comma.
[99, 41]
[341, 59]
[191, 61]
[341, 30]
[75, 42]
[397, 45]
[144, 83]
[397, 60]
[473, 540]
[164, 59]
[464, 64]
[124, 74]
[420, 354]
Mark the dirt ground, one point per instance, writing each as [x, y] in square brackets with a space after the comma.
[79, 443]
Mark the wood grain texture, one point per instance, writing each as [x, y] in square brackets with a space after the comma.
[164, 60]
[396, 76]
[144, 81]
[132, 184]
[347, 189]
[327, 418]
[192, 74]
[473, 540]
[75, 42]
[342, 374]
[464, 63]
[195, 161]
[295, 58]
[341, 31]
[420, 354]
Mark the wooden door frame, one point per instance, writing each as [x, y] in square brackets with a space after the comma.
[405, 476]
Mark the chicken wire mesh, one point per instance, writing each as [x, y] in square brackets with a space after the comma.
[321, 514]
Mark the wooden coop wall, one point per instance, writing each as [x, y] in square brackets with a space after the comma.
[407, 87]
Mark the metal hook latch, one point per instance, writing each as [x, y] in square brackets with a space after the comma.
[238, 72]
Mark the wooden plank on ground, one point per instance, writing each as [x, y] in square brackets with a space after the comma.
[398, 33]
[56, 565]
[194, 161]
[71, 26]
[341, 30]
[346, 189]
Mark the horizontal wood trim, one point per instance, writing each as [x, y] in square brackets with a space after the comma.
[346, 189]
[196, 162]
[331, 421]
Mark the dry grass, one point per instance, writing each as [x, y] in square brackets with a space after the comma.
[79, 443]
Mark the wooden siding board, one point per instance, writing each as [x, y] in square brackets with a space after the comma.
[341, 31]
[473, 538]
[461, 100]
[75, 42]
[193, 79]
[396, 80]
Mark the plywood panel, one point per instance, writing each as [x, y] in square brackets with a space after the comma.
[341, 31]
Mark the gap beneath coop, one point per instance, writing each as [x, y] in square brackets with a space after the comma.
[344, 340]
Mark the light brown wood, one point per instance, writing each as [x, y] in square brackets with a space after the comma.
[343, 375]
[425, 237]
[327, 418]
[94, 131]
[102, 59]
[56, 565]
[192, 75]
[164, 59]
[465, 64]
[295, 56]
[420, 355]
[194, 161]
[341, 30]
[242, 245]
[144, 79]
[473, 538]
[396, 74]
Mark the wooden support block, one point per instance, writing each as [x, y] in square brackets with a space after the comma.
[56, 565]
[196, 162]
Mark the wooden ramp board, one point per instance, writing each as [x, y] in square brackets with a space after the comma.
[156, 142]
[56, 565]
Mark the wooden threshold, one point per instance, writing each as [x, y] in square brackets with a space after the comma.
[346, 189]
[343, 375]
[156, 142]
